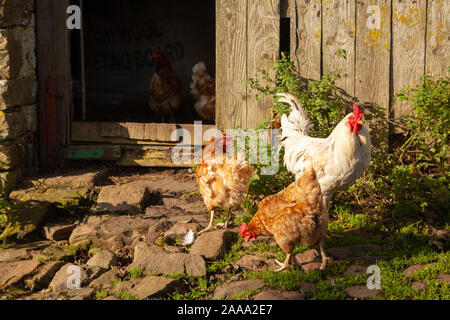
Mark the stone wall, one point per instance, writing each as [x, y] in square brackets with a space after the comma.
[18, 92]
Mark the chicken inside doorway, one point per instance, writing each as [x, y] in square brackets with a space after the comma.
[120, 38]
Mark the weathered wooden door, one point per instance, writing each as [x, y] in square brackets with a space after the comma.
[54, 79]
[247, 39]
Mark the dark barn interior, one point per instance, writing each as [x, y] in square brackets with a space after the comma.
[119, 37]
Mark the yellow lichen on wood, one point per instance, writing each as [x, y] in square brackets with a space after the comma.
[318, 34]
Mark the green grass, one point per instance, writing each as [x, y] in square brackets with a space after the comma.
[134, 273]
[248, 294]
[199, 290]
[101, 294]
[175, 276]
[244, 218]
[408, 245]
[232, 255]
[395, 285]
[345, 220]
[409, 248]
[286, 280]
[123, 295]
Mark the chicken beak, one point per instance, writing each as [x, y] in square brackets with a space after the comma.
[360, 122]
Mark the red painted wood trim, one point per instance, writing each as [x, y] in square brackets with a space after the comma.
[51, 123]
[44, 31]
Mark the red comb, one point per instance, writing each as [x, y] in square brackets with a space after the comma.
[242, 228]
[358, 113]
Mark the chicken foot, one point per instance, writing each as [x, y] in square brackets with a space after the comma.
[210, 223]
[283, 265]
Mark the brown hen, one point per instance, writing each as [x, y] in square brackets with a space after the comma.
[222, 180]
[294, 216]
[164, 93]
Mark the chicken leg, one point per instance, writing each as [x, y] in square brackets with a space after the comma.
[225, 225]
[283, 265]
[210, 223]
[324, 256]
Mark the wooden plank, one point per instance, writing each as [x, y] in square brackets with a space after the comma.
[53, 63]
[132, 130]
[62, 74]
[231, 63]
[105, 152]
[438, 31]
[129, 132]
[408, 48]
[88, 132]
[51, 123]
[372, 67]
[44, 62]
[164, 131]
[306, 33]
[148, 156]
[339, 26]
[109, 129]
[263, 51]
[151, 131]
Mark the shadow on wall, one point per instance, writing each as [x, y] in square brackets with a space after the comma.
[11, 151]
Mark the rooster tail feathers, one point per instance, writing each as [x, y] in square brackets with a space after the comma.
[298, 119]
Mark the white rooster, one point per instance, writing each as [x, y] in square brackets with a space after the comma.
[338, 160]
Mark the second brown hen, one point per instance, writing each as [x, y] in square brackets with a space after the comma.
[294, 216]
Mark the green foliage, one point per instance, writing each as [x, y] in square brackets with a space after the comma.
[320, 98]
[428, 129]
[269, 184]
[413, 175]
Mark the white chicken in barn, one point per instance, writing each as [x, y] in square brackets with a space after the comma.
[203, 89]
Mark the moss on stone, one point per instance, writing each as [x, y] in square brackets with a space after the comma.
[57, 253]
[61, 196]
[24, 218]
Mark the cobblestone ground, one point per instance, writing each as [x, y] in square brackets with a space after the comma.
[118, 234]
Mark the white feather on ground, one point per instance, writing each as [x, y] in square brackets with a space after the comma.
[189, 238]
